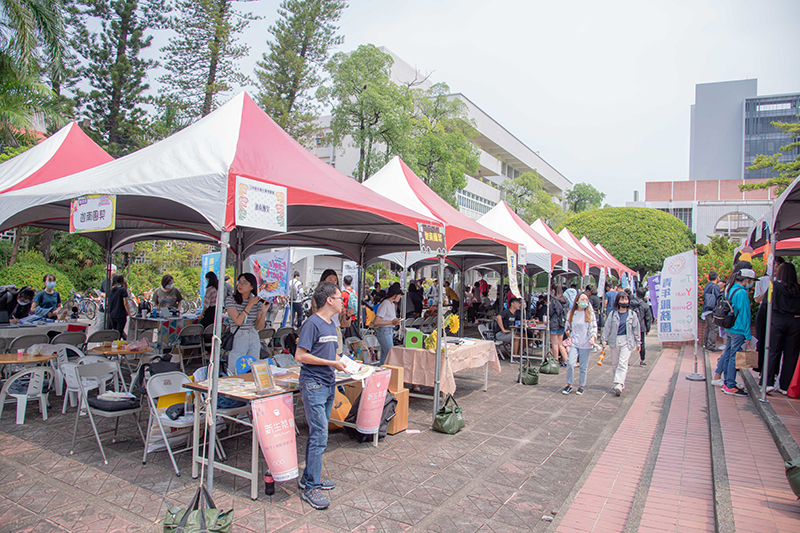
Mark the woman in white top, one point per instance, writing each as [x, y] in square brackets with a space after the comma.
[583, 327]
[386, 319]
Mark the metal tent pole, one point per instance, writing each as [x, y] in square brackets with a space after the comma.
[211, 416]
[439, 342]
[109, 260]
[362, 270]
[523, 331]
[547, 329]
[765, 366]
[694, 376]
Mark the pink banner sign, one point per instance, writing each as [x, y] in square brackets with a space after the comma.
[370, 407]
[273, 422]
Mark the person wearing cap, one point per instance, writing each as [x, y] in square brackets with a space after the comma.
[112, 270]
[743, 280]
[386, 319]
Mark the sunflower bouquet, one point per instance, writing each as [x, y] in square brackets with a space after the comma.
[430, 341]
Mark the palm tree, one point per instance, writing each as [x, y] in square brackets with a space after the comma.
[25, 25]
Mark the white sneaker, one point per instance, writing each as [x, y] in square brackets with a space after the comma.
[617, 389]
[770, 389]
[720, 382]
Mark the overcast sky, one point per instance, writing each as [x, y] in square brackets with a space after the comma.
[600, 89]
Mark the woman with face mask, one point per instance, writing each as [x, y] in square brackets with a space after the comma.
[167, 295]
[622, 335]
[47, 301]
[582, 324]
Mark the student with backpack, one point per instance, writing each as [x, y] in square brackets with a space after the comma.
[710, 294]
[732, 312]
[642, 310]
[557, 319]
[296, 295]
[350, 303]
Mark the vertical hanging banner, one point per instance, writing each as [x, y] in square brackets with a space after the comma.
[260, 205]
[431, 239]
[209, 263]
[273, 422]
[350, 268]
[271, 270]
[93, 212]
[624, 280]
[654, 285]
[522, 256]
[677, 301]
[512, 273]
[601, 282]
[370, 406]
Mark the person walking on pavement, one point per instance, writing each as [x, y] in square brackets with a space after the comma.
[622, 335]
[785, 333]
[316, 351]
[582, 324]
[739, 334]
[645, 319]
[556, 320]
[710, 294]
[570, 295]
[296, 292]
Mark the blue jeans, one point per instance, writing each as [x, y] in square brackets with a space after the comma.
[581, 355]
[728, 360]
[317, 401]
[385, 336]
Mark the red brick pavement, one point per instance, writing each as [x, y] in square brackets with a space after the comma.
[760, 494]
[604, 502]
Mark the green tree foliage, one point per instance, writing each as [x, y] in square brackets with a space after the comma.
[369, 107]
[31, 269]
[583, 197]
[439, 150]
[201, 59]
[116, 70]
[787, 171]
[9, 152]
[302, 38]
[638, 237]
[526, 196]
[718, 245]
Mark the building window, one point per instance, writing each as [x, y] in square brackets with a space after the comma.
[473, 202]
[734, 225]
[684, 214]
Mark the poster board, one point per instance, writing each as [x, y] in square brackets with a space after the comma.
[260, 205]
[271, 270]
[93, 212]
[677, 298]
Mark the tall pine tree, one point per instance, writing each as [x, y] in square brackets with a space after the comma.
[202, 58]
[116, 70]
[303, 36]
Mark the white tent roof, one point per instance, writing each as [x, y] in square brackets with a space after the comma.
[499, 220]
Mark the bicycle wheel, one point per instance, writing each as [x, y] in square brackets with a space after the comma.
[133, 309]
[90, 309]
[185, 306]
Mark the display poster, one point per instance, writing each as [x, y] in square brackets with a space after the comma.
[209, 263]
[262, 376]
[522, 256]
[271, 270]
[431, 239]
[260, 205]
[624, 281]
[512, 273]
[601, 283]
[93, 212]
[350, 268]
[653, 285]
[370, 406]
[677, 298]
[273, 422]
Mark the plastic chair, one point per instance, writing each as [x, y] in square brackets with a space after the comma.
[101, 335]
[372, 342]
[208, 333]
[428, 325]
[63, 352]
[193, 330]
[75, 338]
[162, 385]
[242, 364]
[488, 335]
[281, 334]
[35, 390]
[86, 374]
[26, 341]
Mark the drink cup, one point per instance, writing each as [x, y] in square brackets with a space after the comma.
[21, 352]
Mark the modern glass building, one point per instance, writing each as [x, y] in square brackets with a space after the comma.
[761, 137]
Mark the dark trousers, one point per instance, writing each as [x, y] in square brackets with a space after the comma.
[761, 330]
[119, 325]
[297, 314]
[784, 346]
[642, 349]
[710, 334]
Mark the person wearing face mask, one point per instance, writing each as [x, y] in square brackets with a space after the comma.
[16, 305]
[622, 334]
[742, 280]
[167, 295]
[785, 335]
[582, 324]
[47, 302]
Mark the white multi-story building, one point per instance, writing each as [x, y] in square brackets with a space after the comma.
[502, 155]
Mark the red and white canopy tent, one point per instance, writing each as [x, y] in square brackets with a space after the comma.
[620, 267]
[597, 261]
[547, 235]
[184, 187]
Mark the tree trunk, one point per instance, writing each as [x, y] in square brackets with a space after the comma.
[15, 247]
[44, 244]
[215, 52]
[114, 134]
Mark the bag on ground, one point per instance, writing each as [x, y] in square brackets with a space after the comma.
[529, 375]
[389, 404]
[449, 419]
[549, 366]
[198, 518]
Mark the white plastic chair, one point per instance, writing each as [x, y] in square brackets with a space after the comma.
[63, 351]
[90, 359]
[88, 373]
[372, 342]
[488, 335]
[162, 385]
[34, 391]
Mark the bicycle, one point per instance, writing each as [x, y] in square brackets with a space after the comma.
[189, 305]
[86, 306]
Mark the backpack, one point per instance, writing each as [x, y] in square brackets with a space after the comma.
[370, 316]
[724, 314]
[389, 405]
[352, 302]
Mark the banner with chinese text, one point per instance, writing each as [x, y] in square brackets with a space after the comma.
[93, 212]
[370, 406]
[431, 239]
[260, 205]
[271, 270]
[512, 273]
[273, 422]
[677, 298]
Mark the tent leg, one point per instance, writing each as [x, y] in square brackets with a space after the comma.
[439, 341]
[211, 415]
[765, 365]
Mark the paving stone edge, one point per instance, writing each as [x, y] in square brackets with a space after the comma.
[723, 506]
[786, 445]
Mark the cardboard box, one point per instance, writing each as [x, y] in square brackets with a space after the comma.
[400, 421]
[396, 381]
[414, 338]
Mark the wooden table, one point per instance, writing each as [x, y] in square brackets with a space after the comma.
[167, 329]
[419, 364]
[253, 473]
[120, 353]
[14, 359]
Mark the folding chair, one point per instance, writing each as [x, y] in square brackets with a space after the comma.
[34, 390]
[372, 342]
[100, 336]
[193, 330]
[75, 338]
[26, 341]
[281, 334]
[161, 385]
[94, 407]
[488, 335]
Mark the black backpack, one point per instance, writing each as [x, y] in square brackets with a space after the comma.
[389, 404]
[724, 315]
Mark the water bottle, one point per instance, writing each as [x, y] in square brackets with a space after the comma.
[359, 357]
[188, 404]
[269, 484]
